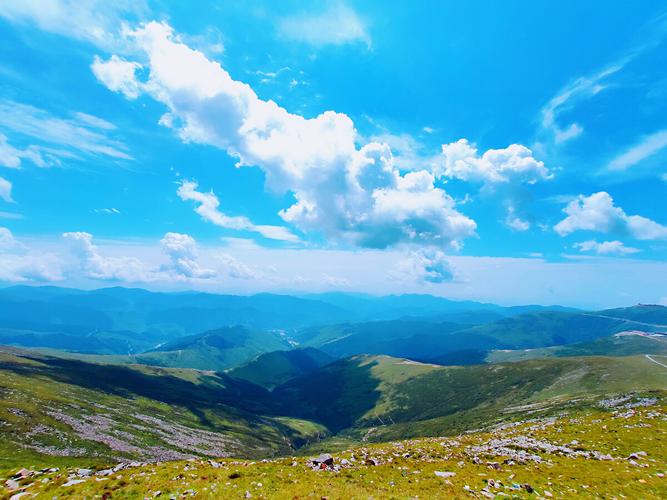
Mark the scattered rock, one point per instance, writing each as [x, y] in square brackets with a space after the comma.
[72, 482]
[22, 474]
[325, 459]
[12, 485]
[445, 474]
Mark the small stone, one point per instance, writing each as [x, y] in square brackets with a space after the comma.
[547, 494]
[84, 472]
[11, 485]
[445, 473]
[527, 487]
[72, 482]
[248, 494]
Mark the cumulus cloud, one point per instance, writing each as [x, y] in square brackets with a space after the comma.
[118, 75]
[605, 247]
[99, 267]
[337, 25]
[352, 194]
[426, 265]
[207, 208]
[18, 263]
[598, 213]
[515, 163]
[182, 252]
[6, 190]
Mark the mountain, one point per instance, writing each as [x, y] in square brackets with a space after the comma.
[50, 312]
[275, 368]
[621, 344]
[642, 314]
[377, 337]
[406, 398]
[456, 343]
[214, 350]
[56, 410]
[427, 307]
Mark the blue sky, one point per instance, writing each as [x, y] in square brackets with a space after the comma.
[512, 152]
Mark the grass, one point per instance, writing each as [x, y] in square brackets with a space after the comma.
[407, 469]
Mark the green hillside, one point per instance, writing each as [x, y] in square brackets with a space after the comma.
[56, 410]
[214, 350]
[612, 451]
[275, 368]
[401, 398]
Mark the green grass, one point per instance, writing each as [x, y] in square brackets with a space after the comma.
[407, 469]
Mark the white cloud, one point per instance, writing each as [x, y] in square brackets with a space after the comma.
[6, 190]
[118, 75]
[352, 194]
[236, 269]
[337, 25]
[513, 221]
[580, 89]
[426, 265]
[183, 256]
[12, 157]
[649, 146]
[18, 263]
[96, 266]
[95, 21]
[515, 163]
[207, 208]
[107, 211]
[597, 212]
[605, 247]
[82, 133]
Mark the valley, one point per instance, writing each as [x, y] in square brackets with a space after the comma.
[300, 388]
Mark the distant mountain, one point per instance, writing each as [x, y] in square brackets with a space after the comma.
[618, 345]
[647, 314]
[275, 368]
[215, 350]
[130, 320]
[425, 307]
[452, 343]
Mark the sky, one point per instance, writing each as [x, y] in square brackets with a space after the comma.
[511, 152]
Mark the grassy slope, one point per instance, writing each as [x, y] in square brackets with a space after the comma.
[214, 350]
[407, 469]
[400, 398]
[66, 407]
[275, 368]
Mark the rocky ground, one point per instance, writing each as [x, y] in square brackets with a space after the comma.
[618, 450]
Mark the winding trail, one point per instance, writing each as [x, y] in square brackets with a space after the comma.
[648, 356]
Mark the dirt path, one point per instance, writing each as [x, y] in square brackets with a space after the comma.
[656, 362]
